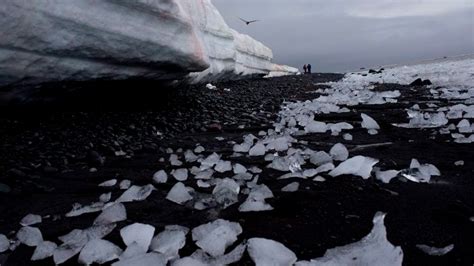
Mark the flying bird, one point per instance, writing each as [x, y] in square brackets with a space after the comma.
[248, 22]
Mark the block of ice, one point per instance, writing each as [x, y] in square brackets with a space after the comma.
[319, 179]
[210, 161]
[265, 252]
[174, 161]
[280, 164]
[226, 192]
[434, 251]
[168, 243]
[190, 157]
[108, 183]
[325, 168]
[223, 166]
[339, 152]
[256, 200]
[149, 259]
[78, 209]
[136, 193]
[292, 187]
[160, 177]
[373, 249]
[310, 172]
[105, 197]
[142, 234]
[125, 184]
[31, 219]
[320, 158]
[99, 251]
[316, 127]
[112, 214]
[347, 137]
[386, 176]
[30, 236]
[199, 149]
[202, 258]
[4, 243]
[206, 174]
[44, 250]
[279, 144]
[358, 165]
[239, 169]
[131, 251]
[189, 261]
[179, 194]
[257, 150]
[215, 237]
[420, 173]
[369, 123]
[180, 174]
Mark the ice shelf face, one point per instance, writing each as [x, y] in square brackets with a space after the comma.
[56, 40]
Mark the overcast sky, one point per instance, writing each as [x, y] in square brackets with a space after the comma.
[344, 35]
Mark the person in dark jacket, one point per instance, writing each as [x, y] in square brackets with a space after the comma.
[309, 68]
[305, 68]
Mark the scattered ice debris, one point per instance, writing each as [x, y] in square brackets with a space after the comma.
[160, 177]
[105, 197]
[141, 234]
[420, 173]
[385, 176]
[223, 166]
[358, 165]
[215, 237]
[112, 214]
[4, 243]
[108, 183]
[44, 250]
[257, 150]
[239, 169]
[99, 251]
[434, 251]
[265, 252]
[169, 242]
[459, 163]
[136, 193]
[425, 120]
[179, 194]
[148, 259]
[180, 174]
[256, 200]
[339, 152]
[125, 184]
[30, 236]
[370, 124]
[31, 219]
[292, 187]
[78, 209]
[226, 192]
[373, 249]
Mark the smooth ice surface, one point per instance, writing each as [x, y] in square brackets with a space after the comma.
[99, 251]
[136, 193]
[266, 252]
[215, 237]
[358, 165]
[160, 177]
[339, 152]
[30, 236]
[112, 214]
[44, 250]
[179, 194]
[31, 219]
[180, 174]
[149, 259]
[138, 233]
[373, 249]
[4, 243]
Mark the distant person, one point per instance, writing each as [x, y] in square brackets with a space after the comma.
[309, 68]
[305, 68]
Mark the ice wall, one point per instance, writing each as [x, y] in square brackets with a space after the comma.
[55, 40]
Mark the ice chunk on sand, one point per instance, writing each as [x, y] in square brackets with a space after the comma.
[215, 237]
[31, 219]
[179, 194]
[199, 257]
[223, 166]
[347, 137]
[160, 177]
[169, 242]
[434, 251]
[174, 161]
[319, 179]
[105, 197]
[373, 249]
[316, 127]
[257, 150]
[370, 124]
[98, 251]
[149, 259]
[125, 184]
[199, 149]
[189, 261]
[78, 209]
[108, 183]
[325, 168]
[239, 169]
[139, 233]
[180, 174]
[279, 144]
[339, 152]
[136, 193]
[30, 236]
[386, 176]
[190, 157]
[44, 250]
[4, 243]
[292, 187]
[226, 192]
[420, 173]
[269, 252]
[112, 214]
[256, 200]
[320, 158]
[210, 161]
[358, 165]
[131, 251]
